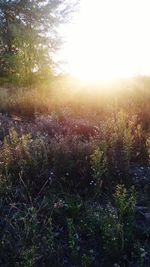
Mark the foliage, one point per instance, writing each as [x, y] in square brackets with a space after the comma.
[73, 239]
[118, 224]
[98, 163]
[66, 187]
[29, 38]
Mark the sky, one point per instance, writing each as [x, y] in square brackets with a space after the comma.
[108, 39]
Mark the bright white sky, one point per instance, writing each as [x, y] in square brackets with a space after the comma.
[109, 39]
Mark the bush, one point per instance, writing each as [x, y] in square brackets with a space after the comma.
[71, 163]
[99, 167]
[22, 156]
[118, 224]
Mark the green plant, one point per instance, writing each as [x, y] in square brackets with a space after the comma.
[15, 151]
[87, 260]
[22, 154]
[121, 144]
[98, 164]
[73, 239]
[112, 231]
[28, 257]
[125, 201]
[118, 223]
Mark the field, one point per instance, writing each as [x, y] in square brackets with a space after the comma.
[75, 175]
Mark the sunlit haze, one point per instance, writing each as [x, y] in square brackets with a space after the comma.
[109, 39]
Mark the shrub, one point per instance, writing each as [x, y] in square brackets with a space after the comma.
[71, 163]
[111, 231]
[23, 156]
[121, 141]
[98, 165]
[125, 201]
[118, 224]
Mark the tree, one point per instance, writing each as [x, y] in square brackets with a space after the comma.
[29, 36]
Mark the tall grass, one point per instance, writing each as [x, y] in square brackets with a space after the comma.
[65, 184]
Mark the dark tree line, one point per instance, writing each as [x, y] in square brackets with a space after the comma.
[29, 36]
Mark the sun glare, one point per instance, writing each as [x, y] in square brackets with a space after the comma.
[109, 40]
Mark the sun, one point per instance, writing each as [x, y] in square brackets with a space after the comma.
[108, 40]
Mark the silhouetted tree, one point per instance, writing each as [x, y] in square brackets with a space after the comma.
[29, 35]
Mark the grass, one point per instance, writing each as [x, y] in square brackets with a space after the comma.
[67, 196]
